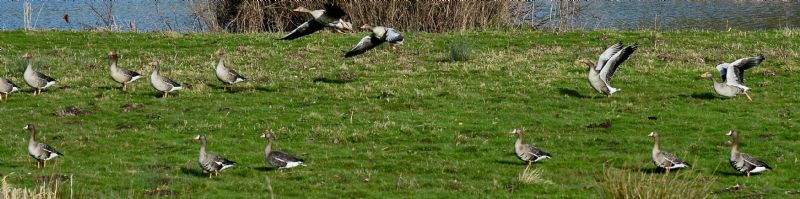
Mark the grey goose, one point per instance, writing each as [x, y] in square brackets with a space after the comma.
[6, 87]
[742, 162]
[321, 19]
[121, 75]
[663, 159]
[378, 35]
[527, 152]
[279, 159]
[209, 162]
[40, 151]
[226, 75]
[732, 76]
[600, 74]
[36, 80]
[161, 83]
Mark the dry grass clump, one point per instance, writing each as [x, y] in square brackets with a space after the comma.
[459, 51]
[617, 183]
[534, 176]
[43, 191]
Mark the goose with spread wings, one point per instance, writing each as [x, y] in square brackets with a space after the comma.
[378, 36]
[328, 17]
[600, 74]
[732, 75]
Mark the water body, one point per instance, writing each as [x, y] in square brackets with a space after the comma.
[153, 15]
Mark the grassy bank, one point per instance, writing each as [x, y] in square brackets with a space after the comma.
[408, 123]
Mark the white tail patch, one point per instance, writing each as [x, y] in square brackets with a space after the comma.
[678, 166]
[612, 90]
[759, 169]
[175, 88]
[52, 155]
[50, 83]
[238, 80]
[293, 164]
[134, 78]
[14, 89]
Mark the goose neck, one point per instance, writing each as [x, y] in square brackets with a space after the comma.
[268, 149]
[32, 140]
[202, 148]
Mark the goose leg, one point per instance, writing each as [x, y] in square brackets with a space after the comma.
[746, 93]
[748, 174]
[38, 164]
[124, 86]
[44, 164]
[667, 172]
[165, 94]
[209, 174]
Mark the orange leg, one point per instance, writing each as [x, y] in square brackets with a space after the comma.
[124, 86]
[667, 172]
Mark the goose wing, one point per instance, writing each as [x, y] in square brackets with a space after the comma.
[613, 63]
[168, 81]
[304, 29]
[536, 151]
[393, 36]
[43, 77]
[7, 81]
[284, 157]
[674, 160]
[334, 11]
[723, 71]
[753, 161]
[735, 72]
[366, 43]
[49, 149]
[219, 160]
[611, 51]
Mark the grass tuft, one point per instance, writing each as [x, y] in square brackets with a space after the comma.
[459, 51]
[617, 183]
[534, 176]
[43, 191]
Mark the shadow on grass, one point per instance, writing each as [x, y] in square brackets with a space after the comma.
[704, 96]
[263, 168]
[572, 93]
[733, 173]
[193, 171]
[509, 162]
[266, 89]
[236, 89]
[331, 81]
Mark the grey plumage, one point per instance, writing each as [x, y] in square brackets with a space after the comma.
[732, 76]
[279, 159]
[6, 87]
[209, 162]
[527, 152]
[121, 75]
[742, 162]
[378, 35]
[35, 79]
[321, 19]
[663, 159]
[226, 75]
[40, 151]
[162, 83]
[601, 74]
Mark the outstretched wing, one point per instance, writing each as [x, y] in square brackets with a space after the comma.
[334, 11]
[365, 44]
[735, 73]
[304, 29]
[607, 55]
[723, 71]
[611, 66]
[393, 36]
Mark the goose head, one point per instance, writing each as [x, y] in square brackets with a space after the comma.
[301, 9]
[112, 55]
[344, 25]
[200, 137]
[155, 64]
[732, 133]
[267, 134]
[587, 62]
[653, 134]
[219, 52]
[706, 75]
[516, 132]
[28, 127]
[366, 26]
[27, 56]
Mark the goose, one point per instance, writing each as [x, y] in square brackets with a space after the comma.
[162, 83]
[600, 74]
[742, 162]
[226, 75]
[378, 35]
[279, 159]
[121, 75]
[732, 75]
[663, 159]
[40, 151]
[36, 79]
[322, 18]
[527, 152]
[341, 26]
[211, 163]
[6, 87]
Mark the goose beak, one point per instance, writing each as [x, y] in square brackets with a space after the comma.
[747, 93]
[197, 137]
[297, 9]
[263, 135]
[729, 133]
[652, 134]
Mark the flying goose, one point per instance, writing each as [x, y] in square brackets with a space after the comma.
[742, 162]
[732, 75]
[600, 75]
[40, 151]
[6, 87]
[527, 152]
[341, 26]
[322, 18]
[378, 35]
[663, 159]
[36, 79]
[121, 75]
[279, 159]
[162, 83]
[211, 163]
[226, 75]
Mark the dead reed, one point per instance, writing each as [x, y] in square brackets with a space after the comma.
[46, 190]
[617, 183]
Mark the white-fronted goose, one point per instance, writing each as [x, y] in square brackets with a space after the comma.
[742, 162]
[732, 75]
[600, 74]
[226, 75]
[663, 159]
[211, 163]
[36, 80]
[162, 83]
[40, 151]
[527, 152]
[279, 159]
[6, 87]
[377, 36]
[121, 75]
[322, 18]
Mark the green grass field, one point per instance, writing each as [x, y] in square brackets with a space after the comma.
[402, 123]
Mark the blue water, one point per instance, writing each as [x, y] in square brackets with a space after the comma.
[625, 15]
